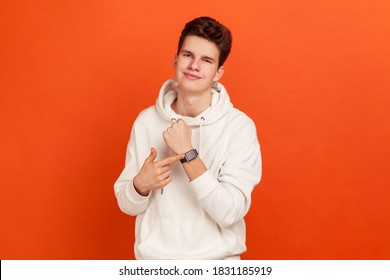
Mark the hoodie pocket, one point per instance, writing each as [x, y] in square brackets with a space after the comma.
[183, 240]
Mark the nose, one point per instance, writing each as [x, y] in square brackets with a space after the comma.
[194, 65]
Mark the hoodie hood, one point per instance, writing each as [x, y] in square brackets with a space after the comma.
[220, 105]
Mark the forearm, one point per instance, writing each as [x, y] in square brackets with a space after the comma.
[194, 168]
[226, 196]
[225, 203]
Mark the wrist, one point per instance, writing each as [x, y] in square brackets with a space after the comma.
[185, 150]
[139, 190]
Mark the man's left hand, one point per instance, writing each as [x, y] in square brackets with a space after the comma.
[178, 137]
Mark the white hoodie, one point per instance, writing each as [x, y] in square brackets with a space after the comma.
[204, 218]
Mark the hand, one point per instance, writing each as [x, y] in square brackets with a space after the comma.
[154, 174]
[178, 137]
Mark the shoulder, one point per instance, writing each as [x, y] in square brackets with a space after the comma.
[146, 115]
[239, 118]
[241, 127]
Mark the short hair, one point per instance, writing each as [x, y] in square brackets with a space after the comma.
[210, 29]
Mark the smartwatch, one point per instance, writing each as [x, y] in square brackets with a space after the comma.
[190, 155]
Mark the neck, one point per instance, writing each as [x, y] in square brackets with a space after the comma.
[191, 105]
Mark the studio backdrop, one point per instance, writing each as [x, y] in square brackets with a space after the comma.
[313, 75]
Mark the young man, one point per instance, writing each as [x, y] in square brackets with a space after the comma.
[192, 160]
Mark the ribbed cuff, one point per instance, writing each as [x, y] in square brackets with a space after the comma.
[133, 195]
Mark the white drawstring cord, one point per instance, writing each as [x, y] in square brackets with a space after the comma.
[202, 119]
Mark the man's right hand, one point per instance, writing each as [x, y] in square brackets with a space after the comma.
[154, 174]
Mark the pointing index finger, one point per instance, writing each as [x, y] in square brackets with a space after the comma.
[171, 159]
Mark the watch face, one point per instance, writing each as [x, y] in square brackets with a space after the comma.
[190, 155]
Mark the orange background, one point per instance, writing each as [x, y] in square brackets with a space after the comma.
[313, 75]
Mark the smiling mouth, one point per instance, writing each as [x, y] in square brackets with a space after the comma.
[191, 76]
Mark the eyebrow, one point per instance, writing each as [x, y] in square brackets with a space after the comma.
[203, 56]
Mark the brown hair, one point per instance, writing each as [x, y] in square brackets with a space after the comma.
[210, 29]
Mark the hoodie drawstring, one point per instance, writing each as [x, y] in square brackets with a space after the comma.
[202, 119]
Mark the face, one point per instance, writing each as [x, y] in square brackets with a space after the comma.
[196, 65]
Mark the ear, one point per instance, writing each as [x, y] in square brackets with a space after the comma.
[219, 73]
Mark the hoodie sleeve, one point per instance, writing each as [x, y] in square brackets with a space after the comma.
[129, 201]
[227, 198]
